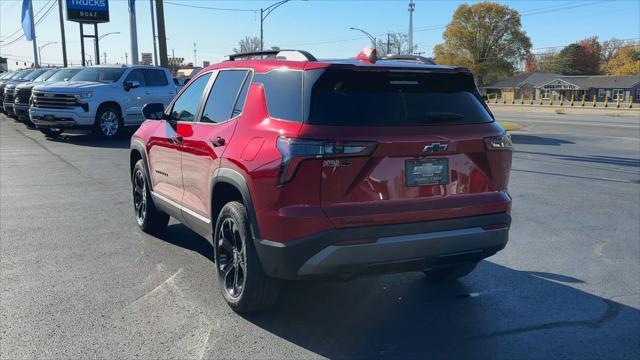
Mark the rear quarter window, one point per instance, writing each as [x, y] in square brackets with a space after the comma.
[283, 91]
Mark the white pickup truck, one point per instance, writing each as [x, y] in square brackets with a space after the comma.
[102, 99]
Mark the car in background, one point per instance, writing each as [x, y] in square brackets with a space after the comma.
[102, 99]
[9, 79]
[9, 90]
[23, 90]
[298, 168]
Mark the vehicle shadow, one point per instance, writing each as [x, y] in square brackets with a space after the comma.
[526, 139]
[119, 142]
[180, 235]
[597, 159]
[496, 312]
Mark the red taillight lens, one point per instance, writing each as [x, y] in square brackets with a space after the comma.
[502, 142]
[295, 151]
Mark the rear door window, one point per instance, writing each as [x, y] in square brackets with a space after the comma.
[283, 90]
[154, 77]
[390, 98]
[223, 96]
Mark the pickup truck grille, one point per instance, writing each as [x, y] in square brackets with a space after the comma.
[53, 101]
[22, 96]
[8, 96]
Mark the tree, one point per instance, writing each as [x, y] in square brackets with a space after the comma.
[248, 44]
[395, 44]
[581, 58]
[609, 49]
[626, 61]
[487, 37]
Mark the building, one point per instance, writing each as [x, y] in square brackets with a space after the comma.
[548, 86]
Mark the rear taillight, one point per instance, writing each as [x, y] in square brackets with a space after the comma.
[502, 142]
[294, 151]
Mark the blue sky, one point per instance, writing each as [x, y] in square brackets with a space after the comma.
[319, 26]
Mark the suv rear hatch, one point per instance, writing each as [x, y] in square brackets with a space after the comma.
[404, 146]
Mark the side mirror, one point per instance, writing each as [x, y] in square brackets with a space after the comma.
[128, 85]
[153, 111]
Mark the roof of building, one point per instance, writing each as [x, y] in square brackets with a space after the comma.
[538, 79]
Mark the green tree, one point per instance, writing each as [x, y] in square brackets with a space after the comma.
[486, 37]
[581, 58]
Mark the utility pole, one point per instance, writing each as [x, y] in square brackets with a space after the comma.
[162, 38]
[105, 57]
[195, 60]
[388, 43]
[126, 58]
[412, 8]
[263, 15]
[153, 30]
[62, 36]
[133, 32]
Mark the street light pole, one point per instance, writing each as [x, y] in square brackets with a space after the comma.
[44, 46]
[263, 15]
[371, 37]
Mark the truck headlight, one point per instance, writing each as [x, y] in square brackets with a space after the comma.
[84, 95]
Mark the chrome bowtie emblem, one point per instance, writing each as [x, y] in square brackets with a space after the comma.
[435, 147]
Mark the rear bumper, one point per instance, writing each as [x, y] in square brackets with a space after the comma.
[395, 248]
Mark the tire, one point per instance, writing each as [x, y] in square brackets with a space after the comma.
[51, 133]
[108, 122]
[243, 283]
[148, 217]
[451, 272]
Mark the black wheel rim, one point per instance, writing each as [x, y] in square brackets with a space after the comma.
[139, 196]
[232, 258]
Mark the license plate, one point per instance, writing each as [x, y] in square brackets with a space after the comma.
[427, 172]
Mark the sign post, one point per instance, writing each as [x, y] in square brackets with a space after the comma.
[88, 12]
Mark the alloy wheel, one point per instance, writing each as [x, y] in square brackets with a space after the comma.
[232, 258]
[139, 196]
[109, 123]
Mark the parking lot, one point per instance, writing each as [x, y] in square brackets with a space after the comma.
[79, 280]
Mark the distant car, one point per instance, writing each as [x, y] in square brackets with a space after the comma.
[10, 79]
[297, 168]
[101, 99]
[23, 90]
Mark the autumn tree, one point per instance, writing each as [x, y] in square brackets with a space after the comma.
[626, 61]
[486, 37]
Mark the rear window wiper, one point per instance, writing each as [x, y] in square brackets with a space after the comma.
[443, 116]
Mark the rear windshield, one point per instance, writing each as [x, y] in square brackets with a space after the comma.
[390, 98]
[99, 74]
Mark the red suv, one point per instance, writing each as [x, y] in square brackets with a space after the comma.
[297, 168]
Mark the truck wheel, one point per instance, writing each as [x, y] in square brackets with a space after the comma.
[450, 273]
[108, 122]
[244, 285]
[149, 218]
[51, 133]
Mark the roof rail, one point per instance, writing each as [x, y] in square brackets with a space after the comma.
[293, 55]
[410, 58]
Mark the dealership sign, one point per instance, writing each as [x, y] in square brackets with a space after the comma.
[88, 11]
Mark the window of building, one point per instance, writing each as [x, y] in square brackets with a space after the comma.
[546, 94]
[618, 94]
[638, 94]
[602, 93]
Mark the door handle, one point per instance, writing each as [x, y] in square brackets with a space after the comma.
[176, 139]
[218, 141]
[147, 93]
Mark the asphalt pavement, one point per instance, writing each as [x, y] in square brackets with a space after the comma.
[79, 280]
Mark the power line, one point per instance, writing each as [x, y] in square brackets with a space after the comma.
[210, 8]
[37, 22]
[20, 28]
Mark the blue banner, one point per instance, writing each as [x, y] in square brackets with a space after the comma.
[27, 26]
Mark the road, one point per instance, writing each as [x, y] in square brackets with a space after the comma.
[79, 280]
